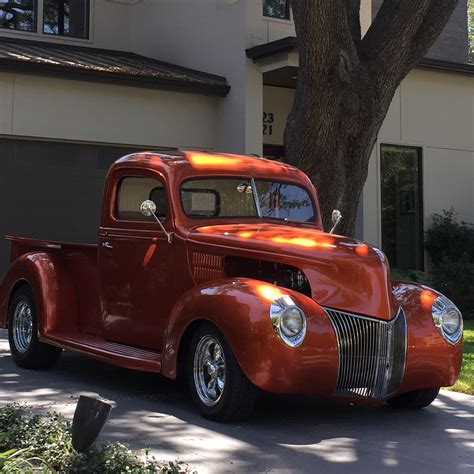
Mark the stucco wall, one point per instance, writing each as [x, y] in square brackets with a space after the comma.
[434, 111]
[45, 107]
[209, 35]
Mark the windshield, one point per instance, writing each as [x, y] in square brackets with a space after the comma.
[246, 197]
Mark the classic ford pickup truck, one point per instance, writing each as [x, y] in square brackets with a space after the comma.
[216, 268]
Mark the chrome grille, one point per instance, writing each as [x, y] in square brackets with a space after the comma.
[372, 354]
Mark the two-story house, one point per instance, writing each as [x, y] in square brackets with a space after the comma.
[85, 81]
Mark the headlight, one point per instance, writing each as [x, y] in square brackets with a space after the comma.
[447, 318]
[289, 321]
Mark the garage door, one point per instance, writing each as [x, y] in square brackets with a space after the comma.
[51, 190]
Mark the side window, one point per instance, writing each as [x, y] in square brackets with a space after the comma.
[133, 191]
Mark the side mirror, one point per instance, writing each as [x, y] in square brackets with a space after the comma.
[148, 209]
[336, 217]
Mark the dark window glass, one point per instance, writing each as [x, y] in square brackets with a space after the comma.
[284, 201]
[66, 18]
[277, 9]
[18, 15]
[133, 191]
[402, 206]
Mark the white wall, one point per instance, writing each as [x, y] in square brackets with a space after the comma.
[434, 111]
[33, 106]
[209, 35]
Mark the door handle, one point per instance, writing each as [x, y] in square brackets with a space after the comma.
[107, 245]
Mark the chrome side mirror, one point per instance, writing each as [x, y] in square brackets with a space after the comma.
[148, 209]
[336, 217]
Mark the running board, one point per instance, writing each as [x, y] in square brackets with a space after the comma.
[118, 354]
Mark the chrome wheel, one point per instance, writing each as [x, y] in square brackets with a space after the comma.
[22, 326]
[209, 370]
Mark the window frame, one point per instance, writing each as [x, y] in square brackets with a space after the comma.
[287, 12]
[39, 24]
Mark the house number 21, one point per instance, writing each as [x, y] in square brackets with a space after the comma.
[268, 123]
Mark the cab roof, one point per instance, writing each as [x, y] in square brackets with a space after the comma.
[183, 164]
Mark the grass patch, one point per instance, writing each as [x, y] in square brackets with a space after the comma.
[465, 384]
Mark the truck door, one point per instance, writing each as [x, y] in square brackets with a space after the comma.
[135, 261]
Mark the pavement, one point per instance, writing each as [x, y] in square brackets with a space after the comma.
[285, 434]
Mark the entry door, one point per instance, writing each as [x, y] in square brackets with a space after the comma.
[136, 266]
[402, 206]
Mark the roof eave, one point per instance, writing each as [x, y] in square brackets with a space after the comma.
[64, 72]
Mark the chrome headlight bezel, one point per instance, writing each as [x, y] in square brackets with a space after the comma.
[441, 308]
[281, 308]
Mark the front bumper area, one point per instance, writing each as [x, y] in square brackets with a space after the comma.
[360, 359]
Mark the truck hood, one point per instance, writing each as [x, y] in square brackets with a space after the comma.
[343, 273]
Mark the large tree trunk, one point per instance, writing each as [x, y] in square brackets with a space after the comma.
[345, 87]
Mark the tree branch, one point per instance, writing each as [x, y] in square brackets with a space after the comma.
[403, 32]
[353, 18]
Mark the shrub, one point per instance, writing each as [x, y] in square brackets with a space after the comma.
[33, 443]
[450, 245]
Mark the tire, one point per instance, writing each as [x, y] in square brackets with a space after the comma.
[414, 400]
[211, 363]
[27, 351]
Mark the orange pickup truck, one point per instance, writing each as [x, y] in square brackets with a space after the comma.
[216, 268]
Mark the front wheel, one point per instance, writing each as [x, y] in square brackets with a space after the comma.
[27, 351]
[219, 388]
[414, 400]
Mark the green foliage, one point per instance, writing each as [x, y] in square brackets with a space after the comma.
[411, 275]
[450, 245]
[33, 443]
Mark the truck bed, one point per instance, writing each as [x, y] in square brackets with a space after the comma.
[80, 265]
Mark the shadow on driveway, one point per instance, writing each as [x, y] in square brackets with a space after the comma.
[285, 434]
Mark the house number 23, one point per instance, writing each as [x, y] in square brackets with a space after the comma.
[268, 123]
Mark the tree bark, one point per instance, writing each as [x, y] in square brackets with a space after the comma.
[345, 86]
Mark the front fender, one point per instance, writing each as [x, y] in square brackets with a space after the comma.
[239, 308]
[51, 285]
[431, 360]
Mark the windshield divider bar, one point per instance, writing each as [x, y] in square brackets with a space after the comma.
[255, 198]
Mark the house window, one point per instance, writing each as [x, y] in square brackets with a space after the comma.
[20, 15]
[66, 18]
[59, 17]
[402, 206]
[277, 9]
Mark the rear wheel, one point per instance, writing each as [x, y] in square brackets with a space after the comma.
[219, 388]
[27, 351]
[414, 400]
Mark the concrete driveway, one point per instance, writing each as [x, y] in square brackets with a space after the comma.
[285, 434]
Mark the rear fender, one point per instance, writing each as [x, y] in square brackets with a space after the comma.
[239, 308]
[52, 287]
